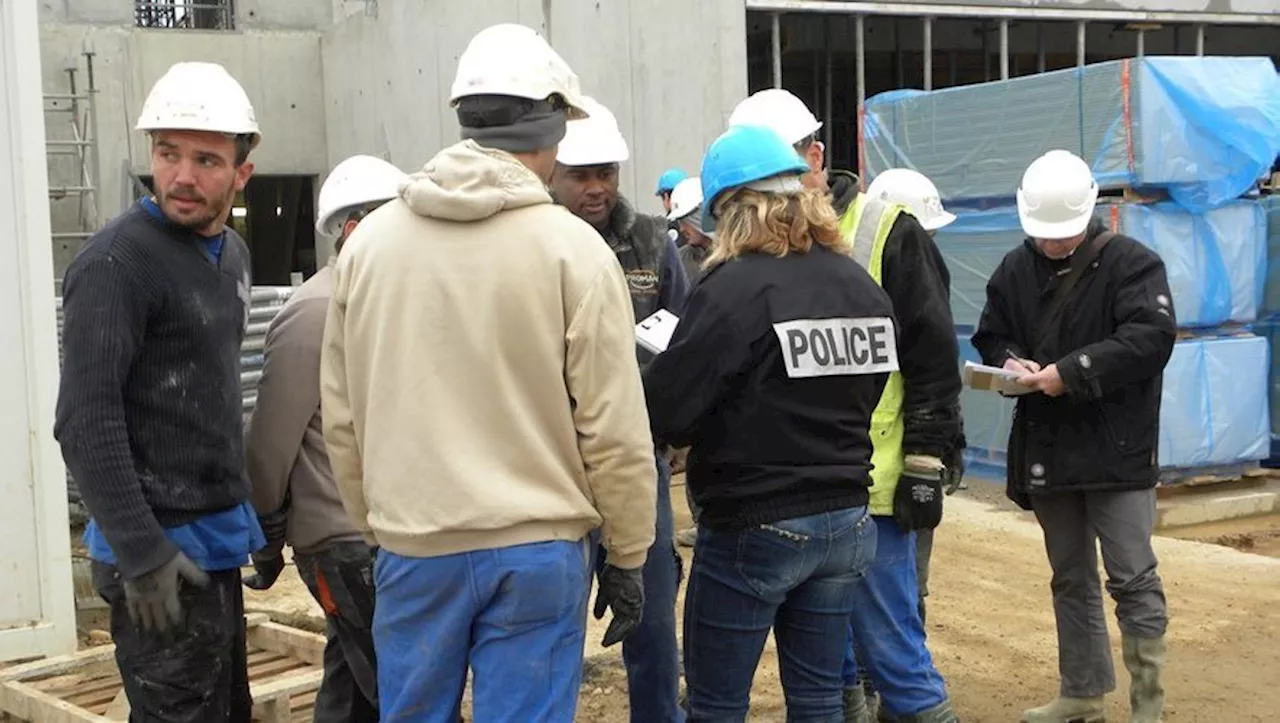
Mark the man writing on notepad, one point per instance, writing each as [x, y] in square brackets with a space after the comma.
[1083, 317]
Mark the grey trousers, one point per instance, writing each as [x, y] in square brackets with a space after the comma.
[1074, 523]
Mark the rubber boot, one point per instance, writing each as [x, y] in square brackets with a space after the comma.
[855, 705]
[1144, 658]
[941, 713]
[1068, 710]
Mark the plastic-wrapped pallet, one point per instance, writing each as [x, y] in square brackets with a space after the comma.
[1216, 261]
[1205, 128]
[1212, 411]
[1271, 297]
[1270, 330]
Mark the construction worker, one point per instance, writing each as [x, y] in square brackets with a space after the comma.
[149, 412]
[1084, 317]
[686, 211]
[916, 427]
[483, 409]
[293, 489]
[667, 183]
[586, 182]
[772, 376]
[913, 190]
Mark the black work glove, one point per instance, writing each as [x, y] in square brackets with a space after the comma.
[152, 599]
[623, 592]
[265, 572]
[917, 502]
[953, 475]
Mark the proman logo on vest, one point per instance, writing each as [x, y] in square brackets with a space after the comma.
[838, 347]
[642, 281]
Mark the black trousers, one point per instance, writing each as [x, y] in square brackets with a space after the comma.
[340, 578]
[196, 674]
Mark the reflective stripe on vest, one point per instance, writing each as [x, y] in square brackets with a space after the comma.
[867, 223]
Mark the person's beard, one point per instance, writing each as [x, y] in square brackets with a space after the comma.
[211, 208]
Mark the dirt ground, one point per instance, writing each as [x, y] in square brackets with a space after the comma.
[991, 626]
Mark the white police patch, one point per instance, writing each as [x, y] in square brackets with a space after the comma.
[838, 347]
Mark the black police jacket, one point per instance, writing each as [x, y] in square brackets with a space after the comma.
[1115, 335]
[771, 378]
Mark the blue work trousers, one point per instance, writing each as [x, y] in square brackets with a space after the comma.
[651, 653]
[795, 577]
[886, 631]
[516, 615]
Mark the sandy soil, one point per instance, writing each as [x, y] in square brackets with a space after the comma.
[991, 624]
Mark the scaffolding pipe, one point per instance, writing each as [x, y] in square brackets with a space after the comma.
[776, 37]
[1142, 43]
[1041, 56]
[1200, 39]
[95, 157]
[826, 89]
[1080, 26]
[1004, 49]
[928, 52]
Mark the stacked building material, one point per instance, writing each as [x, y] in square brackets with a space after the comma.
[1197, 132]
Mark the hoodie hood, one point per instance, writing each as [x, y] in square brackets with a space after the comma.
[468, 182]
[844, 189]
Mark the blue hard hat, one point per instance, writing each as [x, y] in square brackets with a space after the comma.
[668, 180]
[741, 155]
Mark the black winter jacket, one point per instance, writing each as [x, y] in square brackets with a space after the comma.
[1115, 334]
[917, 281]
[777, 431]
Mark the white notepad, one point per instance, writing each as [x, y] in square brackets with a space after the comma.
[993, 379]
[654, 332]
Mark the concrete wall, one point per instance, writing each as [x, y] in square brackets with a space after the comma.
[671, 70]
[278, 69]
[250, 14]
[1185, 6]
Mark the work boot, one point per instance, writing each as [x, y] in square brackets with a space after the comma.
[687, 537]
[1144, 658]
[855, 705]
[1068, 710]
[941, 713]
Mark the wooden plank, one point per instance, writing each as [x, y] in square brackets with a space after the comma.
[36, 706]
[285, 640]
[275, 710]
[119, 708]
[271, 698]
[59, 665]
[252, 620]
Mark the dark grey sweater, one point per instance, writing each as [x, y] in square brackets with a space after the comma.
[149, 409]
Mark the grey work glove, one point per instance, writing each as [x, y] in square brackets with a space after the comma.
[265, 572]
[152, 599]
[623, 592]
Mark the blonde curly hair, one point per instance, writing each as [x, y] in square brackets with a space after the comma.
[750, 221]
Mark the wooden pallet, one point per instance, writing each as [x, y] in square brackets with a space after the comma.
[1178, 481]
[285, 668]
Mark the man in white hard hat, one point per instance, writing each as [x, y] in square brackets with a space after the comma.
[483, 410]
[914, 190]
[686, 211]
[1084, 317]
[916, 428]
[586, 182]
[149, 411]
[293, 488]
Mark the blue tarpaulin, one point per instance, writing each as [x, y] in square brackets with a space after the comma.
[1203, 128]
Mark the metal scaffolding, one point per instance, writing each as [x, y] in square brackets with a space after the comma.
[72, 150]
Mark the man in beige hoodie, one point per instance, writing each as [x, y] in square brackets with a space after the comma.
[292, 485]
[483, 408]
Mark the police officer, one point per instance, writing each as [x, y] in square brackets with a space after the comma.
[293, 487]
[771, 377]
[917, 427]
[586, 182]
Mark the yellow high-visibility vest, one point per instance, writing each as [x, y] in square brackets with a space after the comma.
[866, 223]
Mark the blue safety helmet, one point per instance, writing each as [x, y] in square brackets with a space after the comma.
[741, 155]
[668, 180]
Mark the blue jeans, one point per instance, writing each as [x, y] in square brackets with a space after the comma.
[516, 615]
[886, 632]
[794, 576]
[651, 653]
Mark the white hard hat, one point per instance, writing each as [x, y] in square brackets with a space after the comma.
[686, 198]
[357, 181]
[199, 97]
[1057, 196]
[779, 111]
[915, 191]
[594, 140]
[511, 59]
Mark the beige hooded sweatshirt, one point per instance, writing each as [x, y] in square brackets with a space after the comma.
[478, 377]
